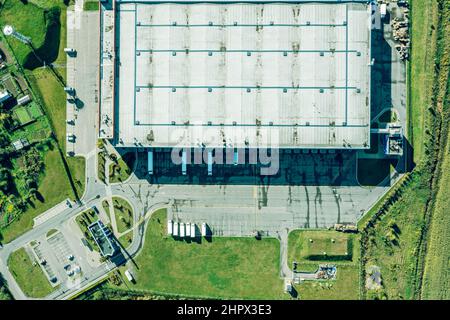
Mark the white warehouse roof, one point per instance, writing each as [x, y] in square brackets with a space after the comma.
[240, 74]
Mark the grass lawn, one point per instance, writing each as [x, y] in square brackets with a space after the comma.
[90, 6]
[34, 110]
[83, 220]
[372, 172]
[105, 206]
[345, 287]
[22, 115]
[120, 171]
[51, 232]
[311, 245]
[126, 239]
[54, 185]
[77, 167]
[101, 165]
[54, 98]
[392, 243]
[29, 275]
[343, 252]
[423, 37]
[4, 293]
[225, 267]
[27, 19]
[54, 188]
[436, 278]
[436, 283]
[123, 214]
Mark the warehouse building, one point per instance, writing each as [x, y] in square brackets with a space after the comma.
[289, 74]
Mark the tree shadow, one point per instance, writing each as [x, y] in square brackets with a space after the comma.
[48, 51]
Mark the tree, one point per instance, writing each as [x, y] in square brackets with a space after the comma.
[4, 179]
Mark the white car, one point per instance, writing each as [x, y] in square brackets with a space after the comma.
[70, 137]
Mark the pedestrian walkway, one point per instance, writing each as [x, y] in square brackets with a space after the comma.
[52, 212]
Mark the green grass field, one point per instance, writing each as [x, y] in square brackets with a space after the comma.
[126, 239]
[423, 37]
[225, 267]
[27, 19]
[90, 6]
[28, 274]
[311, 246]
[22, 115]
[123, 214]
[393, 241]
[101, 166]
[436, 276]
[345, 287]
[121, 171]
[54, 188]
[436, 283]
[343, 252]
[105, 206]
[51, 232]
[83, 220]
[34, 110]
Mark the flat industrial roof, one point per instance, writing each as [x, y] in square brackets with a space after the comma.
[283, 75]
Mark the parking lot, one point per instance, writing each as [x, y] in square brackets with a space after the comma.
[83, 37]
[57, 258]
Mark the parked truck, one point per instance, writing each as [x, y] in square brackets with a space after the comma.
[383, 10]
[193, 230]
[203, 229]
[188, 230]
[169, 227]
[129, 275]
[182, 230]
[175, 229]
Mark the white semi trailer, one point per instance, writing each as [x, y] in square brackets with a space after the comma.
[193, 228]
[129, 275]
[182, 233]
[169, 227]
[188, 230]
[203, 229]
[175, 229]
[383, 10]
